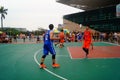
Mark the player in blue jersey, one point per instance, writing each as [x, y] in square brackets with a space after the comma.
[48, 47]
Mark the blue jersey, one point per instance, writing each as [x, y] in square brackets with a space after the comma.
[48, 44]
[47, 38]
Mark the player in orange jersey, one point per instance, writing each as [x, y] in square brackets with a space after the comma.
[87, 40]
[61, 36]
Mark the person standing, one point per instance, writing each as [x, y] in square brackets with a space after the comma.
[87, 37]
[48, 47]
[61, 36]
[15, 38]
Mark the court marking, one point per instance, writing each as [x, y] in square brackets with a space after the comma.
[69, 53]
[54, 74]
[4, 45]
[112, 43]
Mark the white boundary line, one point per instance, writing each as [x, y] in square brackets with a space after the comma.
[69, 53]
[94, 58]
[4, 45]
[112, 43]
[35, 54]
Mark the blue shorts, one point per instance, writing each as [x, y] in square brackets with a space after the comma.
[47, 49]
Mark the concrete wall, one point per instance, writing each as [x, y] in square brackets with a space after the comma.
[73, 26]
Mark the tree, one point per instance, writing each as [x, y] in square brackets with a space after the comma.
[3, 12]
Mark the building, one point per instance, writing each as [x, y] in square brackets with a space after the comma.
[101, 15]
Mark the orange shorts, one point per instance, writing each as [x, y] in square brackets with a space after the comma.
[61, 40]
[86, 44]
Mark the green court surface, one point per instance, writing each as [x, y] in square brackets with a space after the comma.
[20, 62]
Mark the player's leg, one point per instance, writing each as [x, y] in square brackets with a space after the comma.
[54, 64]
[42, 65]
[52, 51]
[62, 43]
[86, 51]
[86, 47]
[45, 53]
[60, 46]
[56, 43]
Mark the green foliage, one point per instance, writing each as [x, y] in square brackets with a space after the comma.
[11, 31]
[3, 12]
[37, 32]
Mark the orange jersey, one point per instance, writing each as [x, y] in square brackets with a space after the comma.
[87, 39]
[62, 36]
[87, 35]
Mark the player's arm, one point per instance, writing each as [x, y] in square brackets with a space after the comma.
[83, 37]
[52, 36]
[91, 37]
[91, 40]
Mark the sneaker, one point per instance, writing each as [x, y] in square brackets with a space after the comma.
[55, 65]
[86, 55]
[42, 66]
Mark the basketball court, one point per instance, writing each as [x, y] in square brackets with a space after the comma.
[21, 62]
